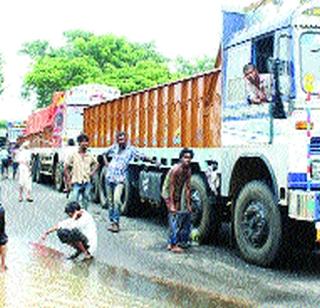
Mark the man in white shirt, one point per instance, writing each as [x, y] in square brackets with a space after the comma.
[78, 231]
[255, 85]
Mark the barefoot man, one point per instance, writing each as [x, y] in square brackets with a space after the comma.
[78, 231]
[178, 177]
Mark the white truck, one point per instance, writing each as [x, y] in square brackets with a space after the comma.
[15, 131]
[256, 165]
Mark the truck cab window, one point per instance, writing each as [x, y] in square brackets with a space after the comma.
[263, 50]
[310, 64]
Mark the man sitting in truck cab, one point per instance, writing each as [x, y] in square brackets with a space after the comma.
[255, 85]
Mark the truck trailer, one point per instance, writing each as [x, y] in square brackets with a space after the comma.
[256, 164]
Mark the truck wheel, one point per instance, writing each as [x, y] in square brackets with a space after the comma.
[130, 199]
[38, 175]
[95, 188]
[102, 188]
[257, 224]
[204, 217]
[58, 177]
[35, 164]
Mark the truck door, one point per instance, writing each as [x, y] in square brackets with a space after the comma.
[245, 121]
[262, 52]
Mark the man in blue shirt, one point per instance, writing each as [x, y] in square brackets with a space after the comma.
[122, 153]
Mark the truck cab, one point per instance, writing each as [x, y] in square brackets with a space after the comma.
[283, 43]
[274, 144]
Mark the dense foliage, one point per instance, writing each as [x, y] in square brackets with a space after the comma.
[3, 124]
[106, 59]
[187, 67]
[87, 58]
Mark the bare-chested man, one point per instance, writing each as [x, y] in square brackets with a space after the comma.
[177, 178]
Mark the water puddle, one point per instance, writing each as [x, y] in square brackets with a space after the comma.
[39, 276]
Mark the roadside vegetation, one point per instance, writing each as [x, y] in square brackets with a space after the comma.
[104, 59]
[3, 124]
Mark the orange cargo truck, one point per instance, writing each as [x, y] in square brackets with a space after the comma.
[252, 123]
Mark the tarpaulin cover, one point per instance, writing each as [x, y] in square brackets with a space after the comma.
[44, 117]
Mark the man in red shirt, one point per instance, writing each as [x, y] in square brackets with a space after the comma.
[177, 179]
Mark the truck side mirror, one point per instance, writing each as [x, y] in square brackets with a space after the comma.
[277, 68]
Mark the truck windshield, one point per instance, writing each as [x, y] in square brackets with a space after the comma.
[310, 62]
[74, 117]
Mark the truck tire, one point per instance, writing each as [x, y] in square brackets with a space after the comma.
[130, 199]
[131, 203]
[257, 224]
[58, 176]
[102, 188]
[38, 175]
[95, 188]
[204, 217]
[35, 163]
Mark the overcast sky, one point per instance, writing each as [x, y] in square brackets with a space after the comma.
[187, 28]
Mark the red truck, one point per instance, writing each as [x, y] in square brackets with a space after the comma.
[49, 129]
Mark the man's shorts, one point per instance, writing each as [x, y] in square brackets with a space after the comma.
[72, 236]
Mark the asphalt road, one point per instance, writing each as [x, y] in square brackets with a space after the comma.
[136, 262]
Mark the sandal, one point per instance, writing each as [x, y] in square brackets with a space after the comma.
[29, 199]
[20, 199]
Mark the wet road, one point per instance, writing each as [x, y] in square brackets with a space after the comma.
[133, 268]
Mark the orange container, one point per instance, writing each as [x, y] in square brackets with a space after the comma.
[184, 113]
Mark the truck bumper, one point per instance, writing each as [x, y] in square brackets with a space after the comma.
[304, 205]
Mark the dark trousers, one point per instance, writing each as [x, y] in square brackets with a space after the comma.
[71, 237]
[179, 227]
[4, 165]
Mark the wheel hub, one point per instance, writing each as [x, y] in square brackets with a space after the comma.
[254, 224]
[196, 207]
[58, 178]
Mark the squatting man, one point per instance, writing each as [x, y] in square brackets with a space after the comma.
[78, 231]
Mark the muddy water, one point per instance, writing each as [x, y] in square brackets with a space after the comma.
[39, 276]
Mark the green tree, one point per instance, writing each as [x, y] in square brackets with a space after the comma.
[51, 74]
[3, 124]
[35, 49]
[188, 67]
[87, 58]
[72, 35]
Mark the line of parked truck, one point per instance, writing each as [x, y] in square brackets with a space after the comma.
[256, 166]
